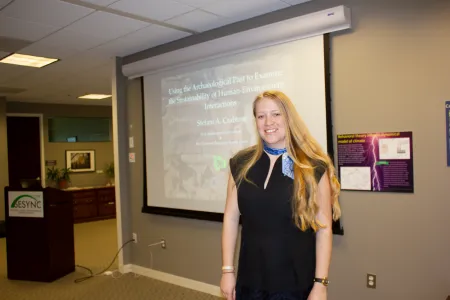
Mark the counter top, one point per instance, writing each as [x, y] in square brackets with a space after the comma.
[82, 188]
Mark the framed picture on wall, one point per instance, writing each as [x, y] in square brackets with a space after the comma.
[80, 160]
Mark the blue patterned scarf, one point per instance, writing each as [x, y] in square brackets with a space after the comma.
[287, 162]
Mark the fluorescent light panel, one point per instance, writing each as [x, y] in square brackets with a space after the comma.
[94, 96]
[28, 60]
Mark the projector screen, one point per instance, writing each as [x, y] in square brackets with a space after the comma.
[199, 115]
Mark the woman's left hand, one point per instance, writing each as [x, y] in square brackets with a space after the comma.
[318, 292]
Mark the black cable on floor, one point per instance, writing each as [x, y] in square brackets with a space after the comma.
[103, 271]
[89, 270]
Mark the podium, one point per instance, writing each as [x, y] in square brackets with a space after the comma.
[39, 234]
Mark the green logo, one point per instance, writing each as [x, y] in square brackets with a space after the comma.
[219, 162]
[17, 200]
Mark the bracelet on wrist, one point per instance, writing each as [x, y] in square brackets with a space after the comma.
[226, 272]
[325, 281]
[227, 268]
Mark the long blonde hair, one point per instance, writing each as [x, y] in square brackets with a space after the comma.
[307, 154]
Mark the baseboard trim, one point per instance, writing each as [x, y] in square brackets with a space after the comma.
[173, 279]
[126, 269]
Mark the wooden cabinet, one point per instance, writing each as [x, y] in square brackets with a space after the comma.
[93, 204]
[106, 202]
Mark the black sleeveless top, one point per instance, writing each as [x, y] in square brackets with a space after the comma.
[276, 260]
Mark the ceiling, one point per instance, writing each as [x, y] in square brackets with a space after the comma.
[86, 35]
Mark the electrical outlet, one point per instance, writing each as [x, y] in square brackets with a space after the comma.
[371, 281]
[135, 237]
[163, 243]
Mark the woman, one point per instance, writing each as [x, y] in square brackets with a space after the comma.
[286, 191]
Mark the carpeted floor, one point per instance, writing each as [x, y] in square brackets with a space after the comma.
[95, 246]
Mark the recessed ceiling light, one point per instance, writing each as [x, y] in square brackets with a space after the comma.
[94, 96]
[28, 60]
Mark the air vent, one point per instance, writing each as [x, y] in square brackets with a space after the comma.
[10, 90]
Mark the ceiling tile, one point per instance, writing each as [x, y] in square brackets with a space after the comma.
[50, 12]
[4, 3]
[9, 44]
[143, 39]
[199, 21]
[153, 9]
[106, 26]
[81, 63]
[4, 54]
[8, 72]
[240, 10]
[8, 91]
[199, 3]
[294, 2]
[101, 72]
[81, 89]
[82, 85]
[61, 70]
[23, 30]
[34, 94]
[101, 2]
[35, 77]
[62, 44]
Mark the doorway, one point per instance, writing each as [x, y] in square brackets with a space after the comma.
[25, 138]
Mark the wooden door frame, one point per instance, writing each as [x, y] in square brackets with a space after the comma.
[41, 135]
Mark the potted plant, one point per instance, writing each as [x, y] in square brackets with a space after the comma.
[52, 177]
[109, 172]
[64, 178]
